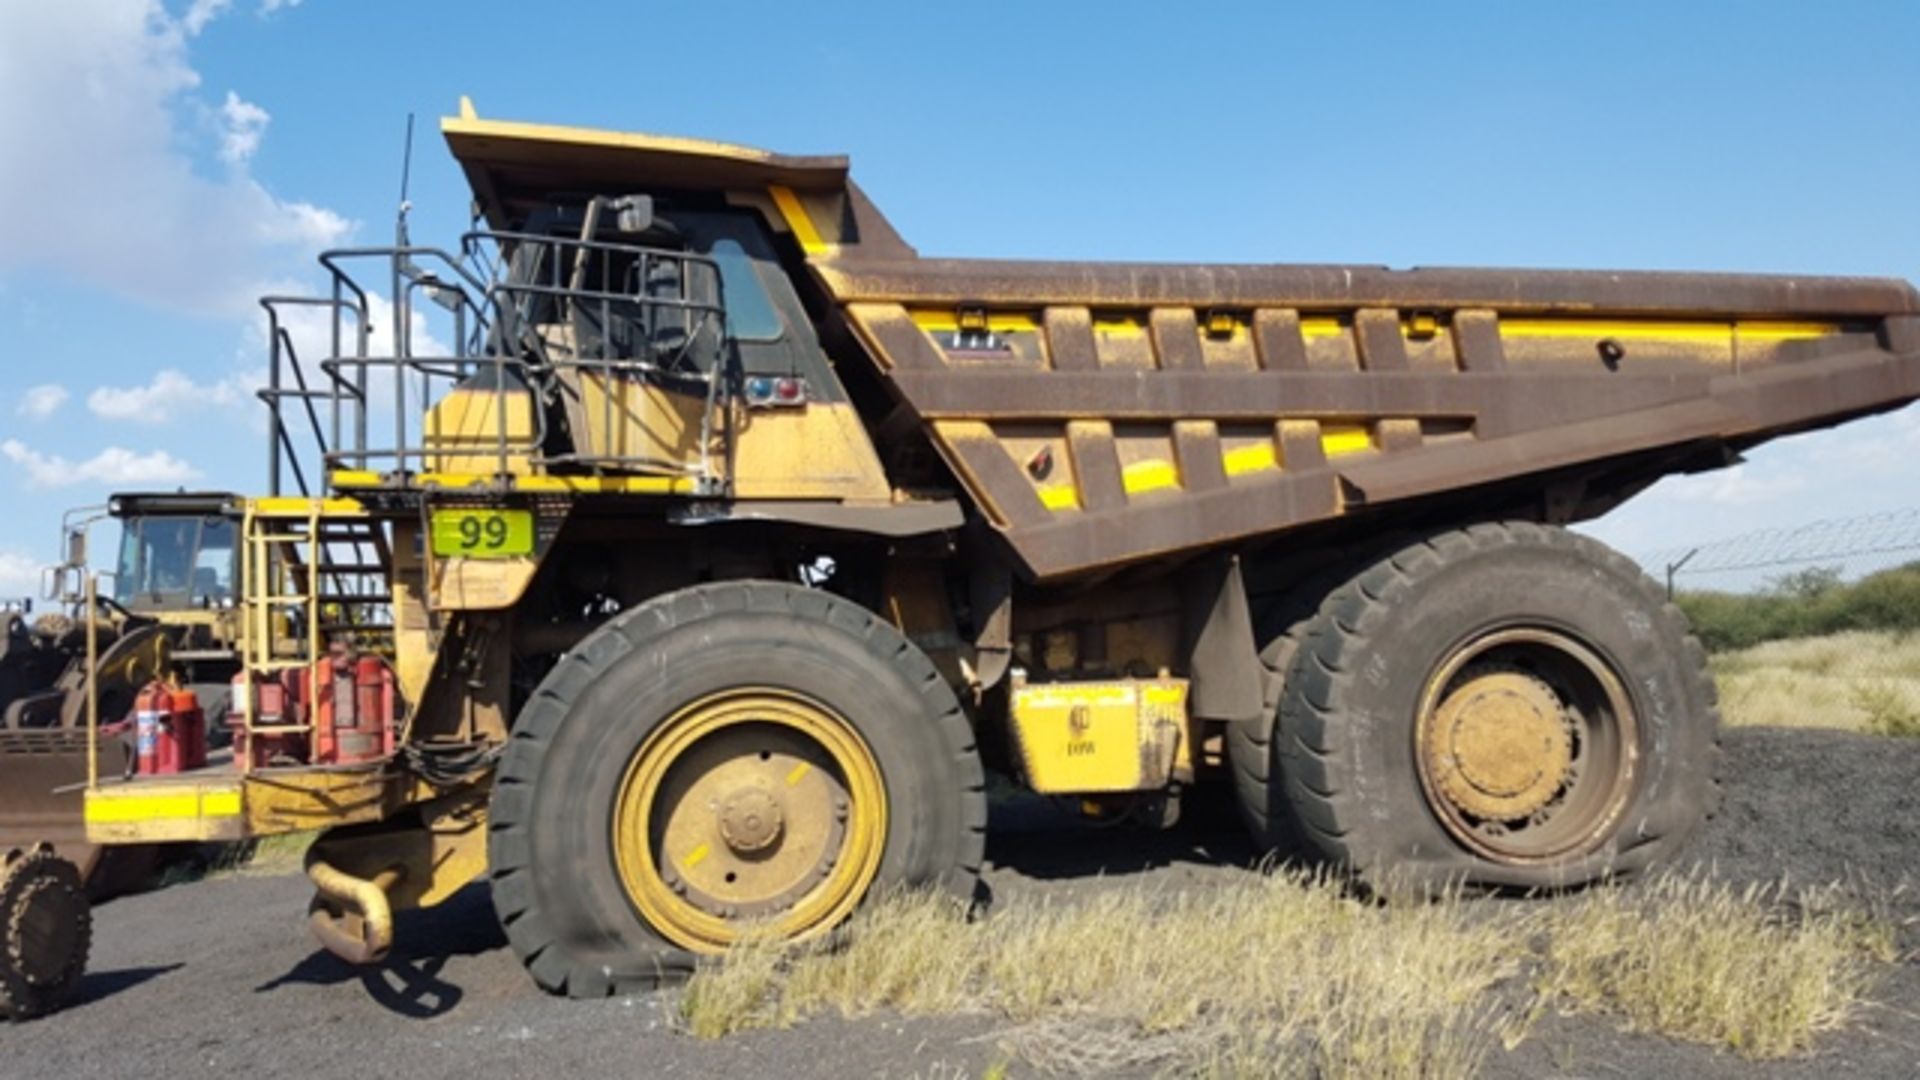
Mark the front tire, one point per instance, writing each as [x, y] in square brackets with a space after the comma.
[731, 754]
[46, 929]
[1509, 705]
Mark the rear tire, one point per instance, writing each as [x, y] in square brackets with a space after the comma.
[673, 708]
[1252, 756]
[1509, 705]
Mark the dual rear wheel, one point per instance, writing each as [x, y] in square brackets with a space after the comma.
[1509, 705]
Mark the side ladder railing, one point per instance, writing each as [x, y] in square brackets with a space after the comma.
[314, 571]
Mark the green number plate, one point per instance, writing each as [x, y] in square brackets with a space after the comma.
[482, 534]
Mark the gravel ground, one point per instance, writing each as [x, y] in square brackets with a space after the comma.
[219, 976]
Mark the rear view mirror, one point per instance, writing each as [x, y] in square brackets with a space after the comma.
[633, 213]
[77, 547]
[53, 583]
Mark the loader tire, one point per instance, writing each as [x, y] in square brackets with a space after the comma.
[1506, 706]
[46, 929]
[733, 753]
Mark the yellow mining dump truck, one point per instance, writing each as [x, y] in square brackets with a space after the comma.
[700, 572]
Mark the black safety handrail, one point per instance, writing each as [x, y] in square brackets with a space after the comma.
[555, 313]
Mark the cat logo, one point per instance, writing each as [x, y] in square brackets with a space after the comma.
[1079, 721]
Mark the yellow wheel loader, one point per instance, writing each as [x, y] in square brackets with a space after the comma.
[170, 616]
[697, 576]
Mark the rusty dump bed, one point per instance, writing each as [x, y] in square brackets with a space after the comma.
[1102, 414]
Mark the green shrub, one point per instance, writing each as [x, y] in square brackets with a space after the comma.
[1806, 603]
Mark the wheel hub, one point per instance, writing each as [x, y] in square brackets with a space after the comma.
[755, 804]
[1499, 747]
[750, 819]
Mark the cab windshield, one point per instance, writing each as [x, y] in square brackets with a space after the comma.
[175, 562]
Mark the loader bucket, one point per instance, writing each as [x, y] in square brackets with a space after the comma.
[43, 775]
[43, 760]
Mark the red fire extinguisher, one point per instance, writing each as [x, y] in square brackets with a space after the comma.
[279, 707]
[353, 720]
[170, 731]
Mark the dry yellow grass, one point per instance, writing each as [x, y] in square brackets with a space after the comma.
[1758, 971]
[1278, 973]
[1851, 682]
[1290, 975]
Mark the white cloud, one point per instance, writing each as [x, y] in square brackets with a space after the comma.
[113, 466]
[19, 575]
[171, 395]
[40, 402]
[245, 123]
[1740, 485]
[311, 329]
[202, 12]
[299, 225]
[105, 95]
[268, 7]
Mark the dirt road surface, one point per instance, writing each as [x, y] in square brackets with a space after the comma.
[219, 977]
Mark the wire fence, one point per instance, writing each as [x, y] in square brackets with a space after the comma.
[1792, 648]
[1851, 547]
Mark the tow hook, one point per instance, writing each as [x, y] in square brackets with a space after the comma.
[351, 916]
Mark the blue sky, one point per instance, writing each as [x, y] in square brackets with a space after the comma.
[162, 163]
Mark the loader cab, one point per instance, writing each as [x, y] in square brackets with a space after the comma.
[177, 553]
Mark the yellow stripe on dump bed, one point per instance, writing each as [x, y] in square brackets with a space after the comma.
[1667, 329]
[1314, 327]
[1159, 474]
[1060, 497]
[998, 322]
[1338, 439]
[1149, 476]
[1254, 457]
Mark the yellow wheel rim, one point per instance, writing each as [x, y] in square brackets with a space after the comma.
[1527, 746]
[1498, 744]
[755, 806]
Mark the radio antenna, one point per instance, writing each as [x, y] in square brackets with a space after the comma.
[406, 177]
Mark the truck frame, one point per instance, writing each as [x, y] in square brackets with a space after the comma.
[729, 542]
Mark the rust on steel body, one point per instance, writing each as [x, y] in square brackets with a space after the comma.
[1551, 421]
[1404, 350]
[1347, 287]
[1519, 419]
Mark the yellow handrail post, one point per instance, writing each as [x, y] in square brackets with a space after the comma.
[93, 682]
[251, 575]
[314, 555]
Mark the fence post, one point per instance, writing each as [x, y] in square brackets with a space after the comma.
[1674, 568]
